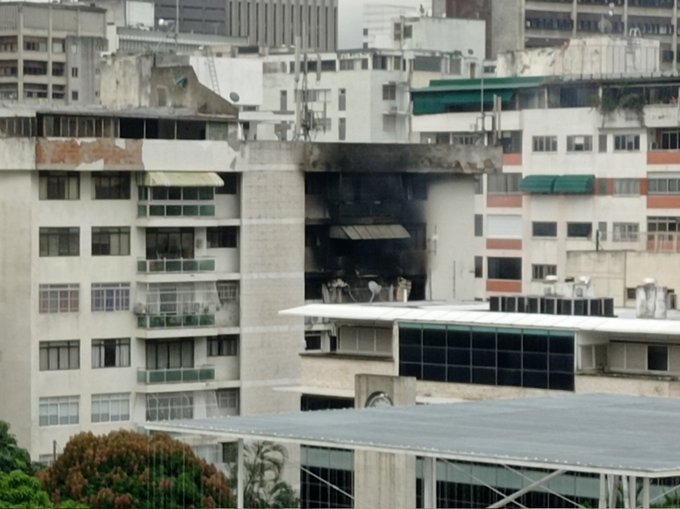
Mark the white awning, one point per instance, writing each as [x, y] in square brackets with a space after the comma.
[182, 179]
[369, 232]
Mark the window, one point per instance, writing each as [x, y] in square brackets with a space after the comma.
[342, 129]
[110, 296]
[602, 230]
[663, 224]
[59, 241]
[223, 346]
[111, 185]
[110, 407]
[227, 291]
[227, 399]
[74, 95]
[59, 355]
[479, 225]
[657, 357]
[74, 72]
[544, 143]
[389, 92]
[59, 411]
[584, 230]
[169, 406]
[342, 99]
[540, 271]
[59, 298]
[222, 236]
[504, 183]
[544, 229]
[110, 240]
[579, 143]
[626, 142]
[283, 100]
[171, 354]
[627, 186]
[602, 143]
[669, 140]
[169, 243]
[111, 353]
[59, 185]
[504, 268]
[663, 185]
[626, 232]
[631, 293]
[230, 184]
[479, 267]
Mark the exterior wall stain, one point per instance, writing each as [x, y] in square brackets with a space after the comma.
[104, 153]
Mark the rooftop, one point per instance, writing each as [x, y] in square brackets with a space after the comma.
[587, 433]
[478, 314]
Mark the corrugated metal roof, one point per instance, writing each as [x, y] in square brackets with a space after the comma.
[590, 433]
[446, 315]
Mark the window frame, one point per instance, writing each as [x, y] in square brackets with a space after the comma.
[224, 345]
[58, 411]
[56, 241]
[118, 400]
[626, 143]
[59, 185]
[573, 225]
[103, 349]
[222, 237]
[111, 185]
[59, 298]
[625, 232]
[67, 354]
[546, 144]
[109, 297]
[552, 226]
[586, 145]
[110, 241]
[539, 271]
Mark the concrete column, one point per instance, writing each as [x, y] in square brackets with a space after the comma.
[429, 483]
[384, 480]
[240, 475]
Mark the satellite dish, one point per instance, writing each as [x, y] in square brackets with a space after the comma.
[375, 289]
[234, 97]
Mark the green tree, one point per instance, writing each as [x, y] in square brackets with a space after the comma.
[263, 465]
[19, 490]
[12, 457]
[129, 470]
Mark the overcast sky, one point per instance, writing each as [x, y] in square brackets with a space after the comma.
[351, 18]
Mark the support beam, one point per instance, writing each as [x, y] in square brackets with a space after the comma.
[430, 483]
[240, 476]
[645, 493]
[526, 489]
[602, 503]
[632, 491]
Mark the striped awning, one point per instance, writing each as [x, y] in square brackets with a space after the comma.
[369, 232]
[182, 179]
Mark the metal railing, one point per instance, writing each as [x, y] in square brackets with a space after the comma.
[176, 265]
[175, 210]
[152, 321]
[179, 375]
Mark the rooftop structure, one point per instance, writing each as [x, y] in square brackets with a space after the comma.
[560, 436]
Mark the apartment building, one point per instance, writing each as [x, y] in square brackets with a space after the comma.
[264, 22]
[589, 169]
[48, 52]
[354, 96]
[145, 272]
[519, 24]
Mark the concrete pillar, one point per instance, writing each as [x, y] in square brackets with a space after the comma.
[384, 480]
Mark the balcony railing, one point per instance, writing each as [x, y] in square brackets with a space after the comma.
[176, 265]
[168, 376]
[149, 321]
[175, 209]
[663, 242]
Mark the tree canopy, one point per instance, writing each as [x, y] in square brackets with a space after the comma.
[18, 490]
[12, 457]
[264, 487]
[129, 470]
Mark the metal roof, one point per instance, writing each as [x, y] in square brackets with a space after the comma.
[589, 433]
[447, 315]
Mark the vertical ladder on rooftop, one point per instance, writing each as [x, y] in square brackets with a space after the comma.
[215, 84]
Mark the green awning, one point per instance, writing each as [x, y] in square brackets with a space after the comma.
[574, 184]
[433, 102]
[538, 184]
[182, 179]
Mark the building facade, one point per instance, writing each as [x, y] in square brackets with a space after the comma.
[48, 52]
[264, 22]
[588, 168]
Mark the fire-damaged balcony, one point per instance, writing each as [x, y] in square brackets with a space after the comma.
[367, 210]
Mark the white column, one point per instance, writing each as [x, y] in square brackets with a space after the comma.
[240, 476]
[430, 483]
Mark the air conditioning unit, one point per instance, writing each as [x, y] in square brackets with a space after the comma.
[140, 308]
